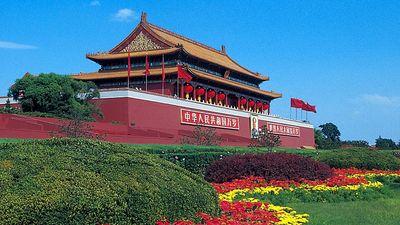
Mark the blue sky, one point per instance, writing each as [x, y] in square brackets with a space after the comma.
[342, 56]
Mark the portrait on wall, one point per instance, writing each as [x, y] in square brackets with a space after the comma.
[253, 126]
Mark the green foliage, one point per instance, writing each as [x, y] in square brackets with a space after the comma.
[266, 139]
[328, 137]
[197, 158]
[330, 131]
[286, 196]
[35, 114]
[385, 143]
[356, 143]
[318, 137]
[75, 181]
[360, 158]
[57, 95]
[381, 211]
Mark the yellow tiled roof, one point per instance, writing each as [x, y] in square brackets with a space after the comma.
[173, 70]
[221, 80]
[203, 52]
[124, 55]
[173, 42]
[122, 74]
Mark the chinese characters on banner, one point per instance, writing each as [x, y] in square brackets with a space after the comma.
[281, 129]
[209, 119]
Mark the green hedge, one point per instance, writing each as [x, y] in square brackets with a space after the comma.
[197, 158]
[64, 181]
[360, 158]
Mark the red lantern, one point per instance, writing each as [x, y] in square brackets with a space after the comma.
[258, 104]
[221, 96]
[188, 89]
[265, 106]
[211, 93]
[243, 102]
[200, 92]
[251, 103]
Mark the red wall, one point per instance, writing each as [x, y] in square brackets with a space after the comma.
[130, 120]
[163, 121]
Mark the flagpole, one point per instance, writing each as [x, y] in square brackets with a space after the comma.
[301, 114]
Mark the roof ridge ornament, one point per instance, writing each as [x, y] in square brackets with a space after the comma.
[223, 49]
[143, 18]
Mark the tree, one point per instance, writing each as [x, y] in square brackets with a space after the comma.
[8, 107]
[356, 143]
[76, 129]
[385, 143]
[266, 139]
[55, 94]
[327, 137]
[318, 137]
[207, 137]
[330, 131]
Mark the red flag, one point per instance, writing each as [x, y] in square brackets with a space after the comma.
[147, 72]
[313, 108]
[184, 74]
[305, 107]
[309, 108]
[129, 67]
[297, 103]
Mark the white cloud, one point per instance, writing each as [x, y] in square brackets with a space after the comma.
[95, 3]
[13, 45]
[377, 99]
[124, 15]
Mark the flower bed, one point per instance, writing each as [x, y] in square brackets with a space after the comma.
[244, 201]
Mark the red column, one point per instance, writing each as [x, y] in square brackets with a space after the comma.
[205, 96]
[226, 100]
[216, 97]
[238, 102]
[194, 93]
[182, 94]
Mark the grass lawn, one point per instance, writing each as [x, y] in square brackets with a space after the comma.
[8, 140]
[378, 212]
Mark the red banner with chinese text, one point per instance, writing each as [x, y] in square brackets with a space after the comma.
[209, 119]
[281, 129]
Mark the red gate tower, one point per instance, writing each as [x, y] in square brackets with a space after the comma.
[176, 83]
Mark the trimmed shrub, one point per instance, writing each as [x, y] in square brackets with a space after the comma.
[360, 159]
[279, 166]
[197, 158]
[64, 181]
[396, 154]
